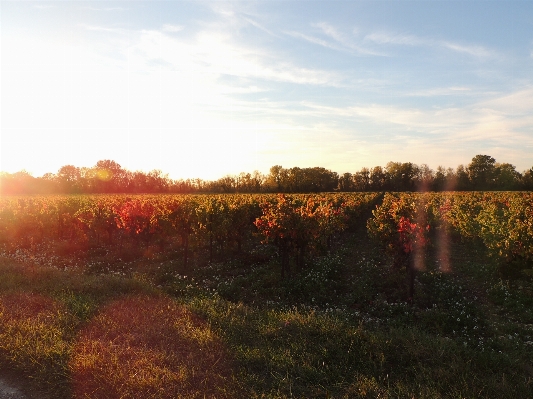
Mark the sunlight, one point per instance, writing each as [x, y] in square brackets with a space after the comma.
[165, 109]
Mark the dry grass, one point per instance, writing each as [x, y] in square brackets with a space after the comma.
[32, 337]
[149, 347]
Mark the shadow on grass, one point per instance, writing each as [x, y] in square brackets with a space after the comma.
[105, 339]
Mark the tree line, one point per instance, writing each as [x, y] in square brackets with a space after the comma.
[483, 173]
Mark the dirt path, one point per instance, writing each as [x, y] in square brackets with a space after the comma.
[12, 386]
[7, 391]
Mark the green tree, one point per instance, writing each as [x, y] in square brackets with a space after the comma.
[346, 182]
[526, 182]
[424, 177]
[320, 179]
[401, 176]
[378, 179]
[296, 180]
[482, 171]
[362, 180]
[462, 180]
[506, 177]
[439, 180]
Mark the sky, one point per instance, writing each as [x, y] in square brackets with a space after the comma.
[203, 89]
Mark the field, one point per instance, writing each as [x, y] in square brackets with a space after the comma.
[395, 295]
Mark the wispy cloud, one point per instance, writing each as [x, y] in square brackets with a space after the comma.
[314, 40]
[43, 6]
[413, 40]
[330, 31]
[402, 39]
[340, 38]
[475, 51]
[259, 26]
[216, 54]
[336, 39]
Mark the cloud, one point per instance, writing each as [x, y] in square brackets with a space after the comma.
[214, 54]
[516, 103]
[338, 41]
[43, 6]
[447, 136]
[171, 28]
[313, 40]
[413, 40]
[330, 31]
[102, 29]
[401, 39]
[105, 8]
[440, 91]
[259, 26]
[502, 121]
[475, 51]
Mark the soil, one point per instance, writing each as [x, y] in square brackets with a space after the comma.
[12, 386]
[7, 391]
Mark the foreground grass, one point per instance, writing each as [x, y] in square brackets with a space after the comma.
[340, 328]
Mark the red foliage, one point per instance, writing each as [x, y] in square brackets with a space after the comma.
[412, 235]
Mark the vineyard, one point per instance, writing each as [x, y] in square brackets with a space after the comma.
[284, 270]
[294, 224]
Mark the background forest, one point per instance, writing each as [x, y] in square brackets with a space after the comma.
[107, 176]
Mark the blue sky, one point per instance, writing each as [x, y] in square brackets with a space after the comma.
[209, 88]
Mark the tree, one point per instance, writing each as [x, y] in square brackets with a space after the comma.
[482, 171]
[275, 180]
[462, 181]
[439, 180]
[296, 180]
[378, 179]
[451, 180]
[257, 181]
[318, 180]
[362, 180]
[401, 175]
[506, 177]
[346, 182]
[17, 183]
[244, 183]
[527, 180]
[226, 184]
[159, 182]
[109, 177]
[424, 177]
[68, 178]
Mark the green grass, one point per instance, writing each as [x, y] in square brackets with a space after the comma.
[340, 328]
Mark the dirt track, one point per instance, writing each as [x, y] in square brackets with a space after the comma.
[9, 392]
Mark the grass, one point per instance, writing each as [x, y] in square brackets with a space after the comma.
[340, 328]
[148, 347]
